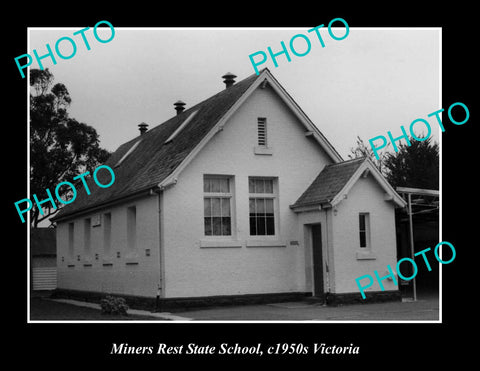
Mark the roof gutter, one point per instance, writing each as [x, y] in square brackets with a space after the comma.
[166, 183]
[310, 206]
[142, 193]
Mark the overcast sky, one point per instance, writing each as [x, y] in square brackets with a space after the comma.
[373, 81]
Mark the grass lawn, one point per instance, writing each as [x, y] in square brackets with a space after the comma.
[44, 309]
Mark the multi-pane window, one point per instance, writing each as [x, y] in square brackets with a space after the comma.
[217, 205]
[261, 206]
[262, 131]
[364, 228]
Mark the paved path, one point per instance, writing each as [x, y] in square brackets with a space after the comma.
[136, 312]
[421, 310]
[426, 309]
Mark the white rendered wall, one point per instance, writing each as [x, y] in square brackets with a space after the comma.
[365, 196]
[191, 268]
[133, 273]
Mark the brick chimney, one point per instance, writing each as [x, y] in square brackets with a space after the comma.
[228, 79]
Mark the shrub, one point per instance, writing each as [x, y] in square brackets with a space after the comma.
[113, 305]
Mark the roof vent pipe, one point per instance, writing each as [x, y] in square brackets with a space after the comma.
[143, 128]
[228, 79]
[179, 106]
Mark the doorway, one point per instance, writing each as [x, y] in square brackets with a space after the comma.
[317, 259]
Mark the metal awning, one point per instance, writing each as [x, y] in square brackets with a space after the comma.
[422, 201]
[419, 201]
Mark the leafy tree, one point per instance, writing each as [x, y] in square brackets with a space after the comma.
[415, 166]
[362, 150]
[60, 147]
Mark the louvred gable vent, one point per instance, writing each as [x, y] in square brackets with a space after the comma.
[262, 131]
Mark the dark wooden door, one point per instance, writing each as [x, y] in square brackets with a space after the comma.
[317, 261]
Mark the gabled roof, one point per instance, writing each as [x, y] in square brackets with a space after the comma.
[335, 181]
[165, 150]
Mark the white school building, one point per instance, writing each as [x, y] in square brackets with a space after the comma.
[239, 196]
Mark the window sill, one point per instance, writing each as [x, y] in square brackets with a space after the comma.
[259, 150]
[108, 261]
[131, 258]
[266, 243]
[365, 255]
[220, 243]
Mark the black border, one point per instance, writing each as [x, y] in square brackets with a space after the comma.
[64, 345]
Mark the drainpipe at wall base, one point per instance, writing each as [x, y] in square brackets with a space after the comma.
[328, 256]
[157, 299]
[161, 267]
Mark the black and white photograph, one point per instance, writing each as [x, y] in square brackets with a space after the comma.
[256, 194]
[218, 180]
